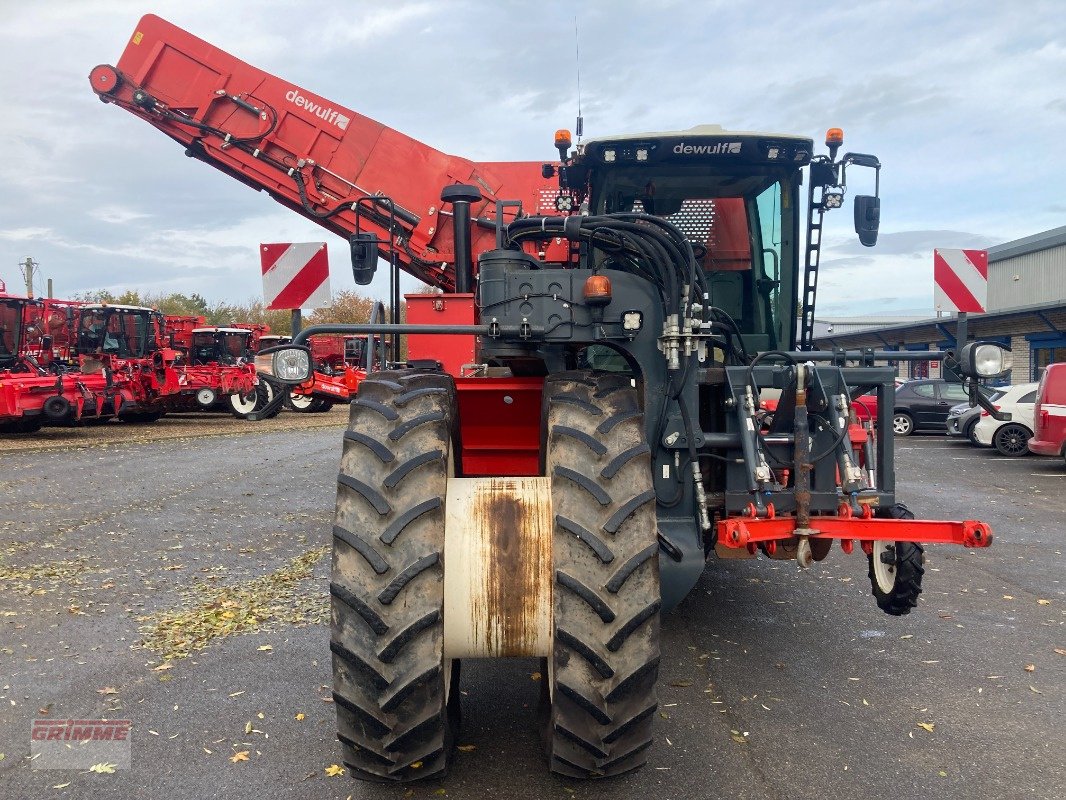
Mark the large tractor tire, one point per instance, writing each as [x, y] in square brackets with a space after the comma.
[605, 661]
[396, 695]
[896, 569]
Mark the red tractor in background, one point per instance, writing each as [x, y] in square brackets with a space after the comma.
[575, 432]
[216, 367]
[40, 382]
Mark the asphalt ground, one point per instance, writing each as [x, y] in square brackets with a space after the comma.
[775, 682]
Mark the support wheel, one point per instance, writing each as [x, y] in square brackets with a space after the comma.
[244, 404]
[902, 424]
[896, 569]
[396, 695]
[307, 404]
[602, 672]
[1012, 440]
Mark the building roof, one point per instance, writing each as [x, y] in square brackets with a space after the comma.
[1027, 244]
[1039, 318]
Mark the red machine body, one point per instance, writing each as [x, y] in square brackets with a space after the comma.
[37, 385]
[215, 362]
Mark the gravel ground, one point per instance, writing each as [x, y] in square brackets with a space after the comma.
[173, 426]
[120, 559]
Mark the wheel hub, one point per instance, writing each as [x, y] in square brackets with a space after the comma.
[884, 563]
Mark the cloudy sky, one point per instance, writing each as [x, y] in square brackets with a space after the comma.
[964, 102]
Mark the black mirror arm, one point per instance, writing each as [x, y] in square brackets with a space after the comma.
[978, 398]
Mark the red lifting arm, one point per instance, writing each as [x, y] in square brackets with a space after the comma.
[309, 153]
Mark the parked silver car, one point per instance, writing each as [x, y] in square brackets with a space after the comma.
[963, 418]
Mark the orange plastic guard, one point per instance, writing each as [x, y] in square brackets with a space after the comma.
[739, 532]
[266, 132]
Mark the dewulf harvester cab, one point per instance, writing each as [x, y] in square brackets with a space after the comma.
[576, 427]
[221, 346]
[128, 344]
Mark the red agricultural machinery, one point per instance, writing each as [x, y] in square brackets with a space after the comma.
[216, 368]
[576, 430]
[63, 362]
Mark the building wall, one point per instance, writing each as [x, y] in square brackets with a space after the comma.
[1020, 372]
[1041, 279]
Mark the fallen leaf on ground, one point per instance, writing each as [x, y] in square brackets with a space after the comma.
[467, 748]
[300, 717]
[927, 726]
[102, 768]
[248, 727]
[534, 676]
[1044, 602]
[163, 666]
[1008, 597]
[1061, 651]
[107, 690]
[333, 770]
[61, 785]
[265, 647]
[1035, 690]
[416, 765]
[681, 684]
[1030, 667]
[241, 756]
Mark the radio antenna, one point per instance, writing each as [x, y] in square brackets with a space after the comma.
[579, 128]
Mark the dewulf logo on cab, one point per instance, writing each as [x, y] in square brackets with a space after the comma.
[683, 149]
[328, 114]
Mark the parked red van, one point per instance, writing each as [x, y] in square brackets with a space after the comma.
[1049, 413]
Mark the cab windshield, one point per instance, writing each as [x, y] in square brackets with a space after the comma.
[114, 331]
[741, 226]
[10, 331]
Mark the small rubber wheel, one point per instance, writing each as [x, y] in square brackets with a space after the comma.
[244, 404]
[205, 398]
[307, 404]
[896, 569]
[902, 424]
[1012, 440]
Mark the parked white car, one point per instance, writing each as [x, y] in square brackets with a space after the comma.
[1009, 438]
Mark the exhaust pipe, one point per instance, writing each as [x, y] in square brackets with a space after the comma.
[461, 195]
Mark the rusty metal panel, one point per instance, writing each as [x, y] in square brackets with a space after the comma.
[497, 567]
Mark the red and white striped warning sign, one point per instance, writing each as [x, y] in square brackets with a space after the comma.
[295, 275]
[960, 280]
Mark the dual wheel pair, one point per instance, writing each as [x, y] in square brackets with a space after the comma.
[262, 397]
[396, 695]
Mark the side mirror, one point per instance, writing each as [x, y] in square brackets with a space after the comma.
[364, 257]
[867, 218]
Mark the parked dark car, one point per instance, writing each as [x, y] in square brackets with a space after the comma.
[924, 405]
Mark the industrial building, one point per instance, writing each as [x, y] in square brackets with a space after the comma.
[1026, 310]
